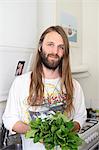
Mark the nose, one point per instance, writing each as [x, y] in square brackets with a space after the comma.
[55, 50]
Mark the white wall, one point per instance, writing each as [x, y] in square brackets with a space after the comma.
[90, 51]
[18, 34]
[98, 54]
[46, 14]
[18, 23]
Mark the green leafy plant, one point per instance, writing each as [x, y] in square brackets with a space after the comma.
[53, 131]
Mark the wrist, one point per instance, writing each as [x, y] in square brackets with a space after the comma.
[21, 127]
[76, 126]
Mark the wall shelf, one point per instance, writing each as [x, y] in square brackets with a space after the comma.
[80, 71]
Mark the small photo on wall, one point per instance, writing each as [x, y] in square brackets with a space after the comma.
[19, 69]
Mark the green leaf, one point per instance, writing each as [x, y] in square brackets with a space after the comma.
[70, 125]
[30, 133]
[36, 138]
[48, 140]
[65, 148]
[49, 146]
[34, 124]
[53, 128]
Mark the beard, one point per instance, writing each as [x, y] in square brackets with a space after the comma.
[53, 63]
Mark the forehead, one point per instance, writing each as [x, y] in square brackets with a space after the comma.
[53, 37]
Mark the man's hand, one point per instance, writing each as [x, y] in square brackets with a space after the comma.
[20, 127]
[76, 126]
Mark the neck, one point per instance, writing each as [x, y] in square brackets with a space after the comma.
[51, 74]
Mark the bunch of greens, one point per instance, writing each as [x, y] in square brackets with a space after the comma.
[54, 131]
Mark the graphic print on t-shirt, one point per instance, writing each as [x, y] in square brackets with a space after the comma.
[52, 93]
[53, 100]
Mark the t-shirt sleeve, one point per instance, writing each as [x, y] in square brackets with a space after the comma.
[80, 114]
[11, 113]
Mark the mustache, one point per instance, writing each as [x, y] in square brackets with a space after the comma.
[53, 55]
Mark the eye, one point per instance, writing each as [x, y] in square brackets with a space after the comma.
[61, 47]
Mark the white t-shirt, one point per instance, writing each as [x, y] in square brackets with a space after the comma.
[17, 108]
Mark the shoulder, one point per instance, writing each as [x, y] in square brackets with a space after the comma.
[78, 91]
[77, 87]
[22, 80]
[76, 84]
[23, 77]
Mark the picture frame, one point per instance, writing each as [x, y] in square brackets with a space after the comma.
[69, 22]
[19, 68]
[70, 26]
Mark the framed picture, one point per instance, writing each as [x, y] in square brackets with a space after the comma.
[69, 23]
[19, 69]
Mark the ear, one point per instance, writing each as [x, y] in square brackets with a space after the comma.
[40, 48]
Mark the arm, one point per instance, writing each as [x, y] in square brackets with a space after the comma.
[80, 114]
[13, 112]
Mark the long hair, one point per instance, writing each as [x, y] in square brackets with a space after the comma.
[36, 91]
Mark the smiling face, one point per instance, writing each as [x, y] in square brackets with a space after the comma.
[52, 51]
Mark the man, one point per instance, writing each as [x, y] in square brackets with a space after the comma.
[48, 86]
